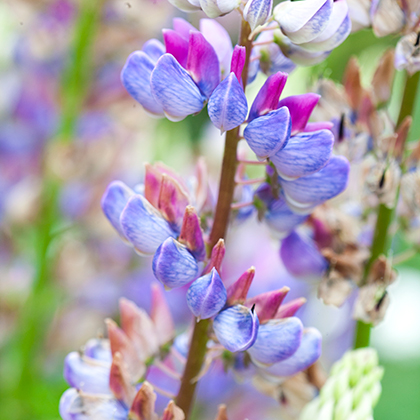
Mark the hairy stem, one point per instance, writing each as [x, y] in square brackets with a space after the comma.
[199, 338]
[381, 238]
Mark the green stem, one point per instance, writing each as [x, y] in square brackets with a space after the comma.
[198, 347]
[380, 241]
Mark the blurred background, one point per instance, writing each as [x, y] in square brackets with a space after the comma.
[68, 128]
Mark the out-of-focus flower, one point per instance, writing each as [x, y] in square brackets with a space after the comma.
[316, 26]
[407, 53]
[352, 390]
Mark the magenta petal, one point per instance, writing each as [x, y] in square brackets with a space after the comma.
[238, 291]
[267, 304]
[182, 27]
[300, 108]
[319, 125]
[191, 234]
[176, 45]
[238, 62]
[203, 63]
[268, 96]
[290, 308]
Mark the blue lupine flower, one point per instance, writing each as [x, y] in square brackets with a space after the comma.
[182, 79]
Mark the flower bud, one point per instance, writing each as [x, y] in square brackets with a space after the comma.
[256, 12]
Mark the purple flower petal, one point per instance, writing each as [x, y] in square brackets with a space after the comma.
[203, 63]
[268, 97]
[301, 257]
[304, 154]
[280, 218]
[314, 189]
[182, 27]
[228, 105]
[175, 90]
[86, 374]
[269, 133]
[300, 108]
[176, 45]
[306, 355]
[135, 76]
[113, 202]
[277, 340]
[236, 328]
[143, 225]
[154, 49]
[219, 39]
[207, 295]
[173, 265]
[238, 62]
[256, 12]
[302, 21]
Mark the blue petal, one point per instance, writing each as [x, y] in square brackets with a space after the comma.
[173, 264]
[135, 76]
[306, 355]
[207, 295]
[277, 340]
[268, 134]
[256, 12]
[175, 90]
[314, 189]
[280, 218]
[227, 105]
[86, 374]
[143, 226]
[113, 202]
[304, 154]
[301, 257]
[236, 328]
[154, 49]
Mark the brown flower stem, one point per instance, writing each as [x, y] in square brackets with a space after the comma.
[199, 338]
[381, 238]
